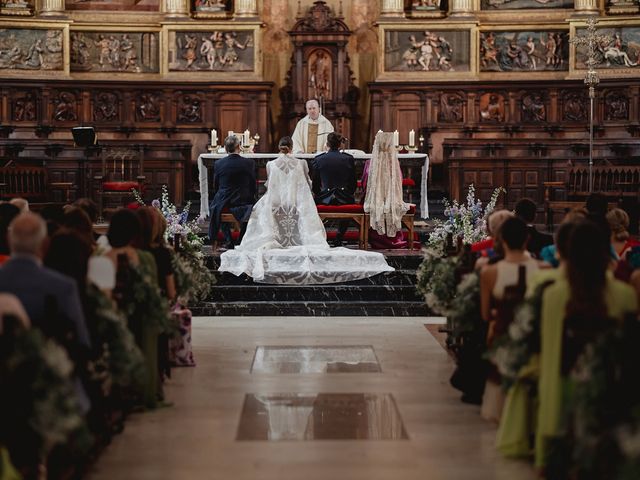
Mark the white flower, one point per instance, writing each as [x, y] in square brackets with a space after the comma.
[56, 357]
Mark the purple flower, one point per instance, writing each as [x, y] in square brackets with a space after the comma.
[155, 203]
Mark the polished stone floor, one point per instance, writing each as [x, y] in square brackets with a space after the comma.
[311, 398]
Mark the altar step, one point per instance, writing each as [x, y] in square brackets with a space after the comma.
[386, 294]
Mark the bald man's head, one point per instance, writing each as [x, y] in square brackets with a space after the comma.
[27, 233]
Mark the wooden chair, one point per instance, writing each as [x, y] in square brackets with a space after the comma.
[122, 171]
[407, 222]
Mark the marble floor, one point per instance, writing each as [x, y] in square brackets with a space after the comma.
[310, 398]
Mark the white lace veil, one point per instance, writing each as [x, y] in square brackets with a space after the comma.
[383, 201]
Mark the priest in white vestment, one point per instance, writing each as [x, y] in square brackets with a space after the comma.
[311, 132]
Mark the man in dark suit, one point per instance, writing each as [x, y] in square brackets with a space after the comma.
[526, 211]
[50, 299]
[334, 179]
[234, 181]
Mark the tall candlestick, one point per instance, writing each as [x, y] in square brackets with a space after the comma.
[245, 138]
[214, 137]
[412, 138]
[396, 138]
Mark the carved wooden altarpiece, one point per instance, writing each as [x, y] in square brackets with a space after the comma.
[320, 70]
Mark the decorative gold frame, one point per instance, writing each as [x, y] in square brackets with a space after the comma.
[465, 26]
[29, 24]
[539, 75]
[118, 28]
[213, 76]
[613, 22]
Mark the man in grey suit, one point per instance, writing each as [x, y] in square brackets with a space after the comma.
[50, 298]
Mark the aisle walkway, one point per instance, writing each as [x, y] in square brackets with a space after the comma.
[397, 391]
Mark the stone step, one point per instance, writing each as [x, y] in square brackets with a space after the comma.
[311, 309]
[397, 277]
[314, 293]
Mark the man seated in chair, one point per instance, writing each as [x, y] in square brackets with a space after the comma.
[234, 181]
[334, 181]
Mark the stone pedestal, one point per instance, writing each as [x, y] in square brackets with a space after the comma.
[392, 8]
[246, 8]
[586, 7]
[51, 8]
[176, 8]
[461, 8]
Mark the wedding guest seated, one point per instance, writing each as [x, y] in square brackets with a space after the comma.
[494, 280]
[334, 179]
[136, 277]
[21, 203]
[7, 213]
[550, 254]
[490, 248]
[586, 294]
[526, 210]
[621, 240]
[234, 181]
[51, 299]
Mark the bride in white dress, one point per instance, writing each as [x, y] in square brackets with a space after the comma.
[285, 241]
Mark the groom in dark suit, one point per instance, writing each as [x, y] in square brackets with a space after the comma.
[334, 179]
[234, 181]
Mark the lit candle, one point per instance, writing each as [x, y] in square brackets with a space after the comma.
[412, 138]
[214, 137]
[396, 138]
[245, 140]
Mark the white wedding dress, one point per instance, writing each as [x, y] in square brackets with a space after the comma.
[285, 241]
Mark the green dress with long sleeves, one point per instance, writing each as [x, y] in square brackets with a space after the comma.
[620, 299]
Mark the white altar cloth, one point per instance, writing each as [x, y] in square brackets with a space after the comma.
[204, 175]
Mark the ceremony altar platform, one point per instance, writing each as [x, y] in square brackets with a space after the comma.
[409, 162]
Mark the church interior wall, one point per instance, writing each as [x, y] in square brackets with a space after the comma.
[163, 49]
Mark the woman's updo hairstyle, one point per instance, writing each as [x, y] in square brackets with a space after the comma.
[285, 145]
[619, 224]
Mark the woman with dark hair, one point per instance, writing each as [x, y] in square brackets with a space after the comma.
[76, 219]
[138, 294]
[286, 242]
[585, 296]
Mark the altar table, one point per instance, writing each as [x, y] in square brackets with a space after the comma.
[207, 160]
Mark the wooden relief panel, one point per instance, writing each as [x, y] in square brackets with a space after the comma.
[17, 7]
[24, 106]
[148, 106]
[575, 106]
[31, 49]
[524, 51]
[436, 51]
[451, 108]
[533, 107]
[616, 106]
[65, 105]
[106, 106]
[492, 107]
[120, 5]
[107, 51]
[524, 4]
[190, 107]
[215, 51]
[621, 52]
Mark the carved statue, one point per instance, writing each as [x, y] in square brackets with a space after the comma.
[320, 75]
[575, 107]
[189, 49]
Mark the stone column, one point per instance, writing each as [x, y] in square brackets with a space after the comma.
[246, 8]
[176, 8]
[586, 7]
[461, 8]
[392, 8]
[51, 8]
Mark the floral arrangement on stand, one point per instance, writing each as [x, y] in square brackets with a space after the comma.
[467, 221]
[193, 278]
[437, 273]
